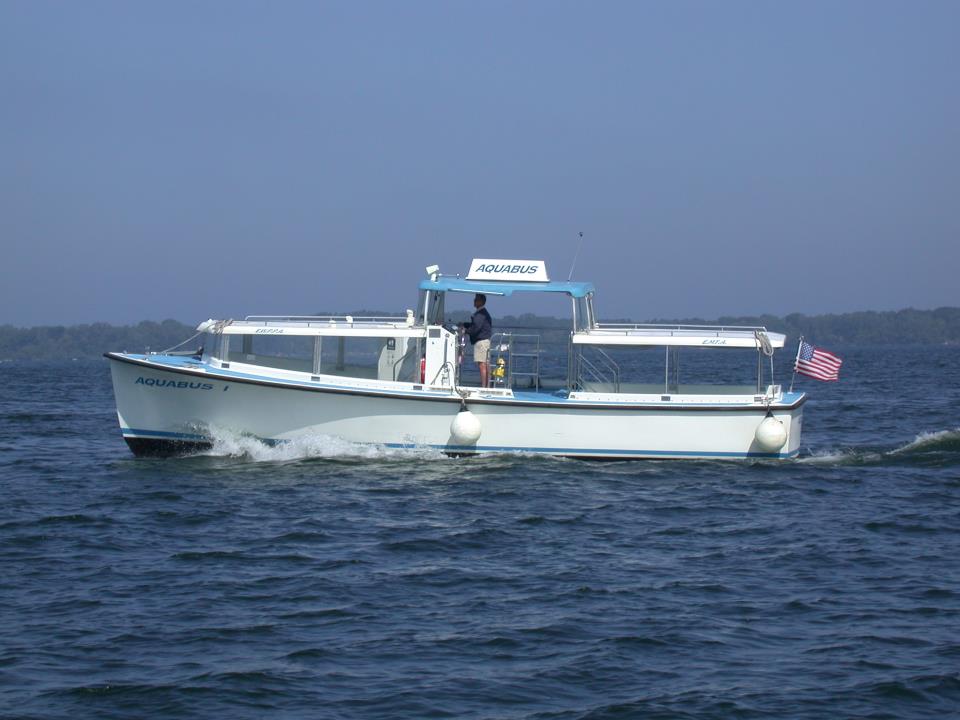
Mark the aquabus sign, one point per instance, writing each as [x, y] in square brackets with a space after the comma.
[511, 270]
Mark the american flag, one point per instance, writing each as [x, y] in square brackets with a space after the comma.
[817, 363]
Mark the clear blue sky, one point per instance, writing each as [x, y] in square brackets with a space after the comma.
[196, 159]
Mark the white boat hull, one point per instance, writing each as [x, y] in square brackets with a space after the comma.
[169, 411]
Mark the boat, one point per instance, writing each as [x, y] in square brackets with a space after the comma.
[403, 382]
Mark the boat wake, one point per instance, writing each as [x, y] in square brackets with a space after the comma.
[928, 448]
[229, 443]
[943, 441]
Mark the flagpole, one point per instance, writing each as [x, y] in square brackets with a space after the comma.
[795, 360]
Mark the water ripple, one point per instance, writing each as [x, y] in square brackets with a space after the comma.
[328, 580]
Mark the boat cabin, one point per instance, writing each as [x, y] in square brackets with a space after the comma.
[422, 351]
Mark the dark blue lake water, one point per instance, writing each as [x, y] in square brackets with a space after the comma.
[323, 580]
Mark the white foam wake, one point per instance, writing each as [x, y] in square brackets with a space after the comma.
[229, 443]
[831, 457]
[930, 440]
[923, 443]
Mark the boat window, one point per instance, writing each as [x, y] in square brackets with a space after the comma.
[373, 358]
[696, 367]
[211, 345]
[667, 370]
[583, 315]
[430, 306]
[284, 352]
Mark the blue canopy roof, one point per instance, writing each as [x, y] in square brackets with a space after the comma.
[494, 287]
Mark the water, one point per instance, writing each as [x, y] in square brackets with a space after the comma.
[326, 580]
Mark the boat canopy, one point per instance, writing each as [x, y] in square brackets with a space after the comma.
[495, 287]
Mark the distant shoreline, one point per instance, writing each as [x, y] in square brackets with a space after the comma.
[894, 327]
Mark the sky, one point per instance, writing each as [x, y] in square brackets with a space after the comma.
[216, 159]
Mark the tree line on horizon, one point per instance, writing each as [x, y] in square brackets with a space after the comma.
[899, 327]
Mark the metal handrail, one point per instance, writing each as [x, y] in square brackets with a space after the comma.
[614, 367]
[403, 357]
[496, 342]
[596, 373]
[679, 328]
[325, 318]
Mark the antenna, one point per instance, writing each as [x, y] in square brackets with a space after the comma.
[575, 256]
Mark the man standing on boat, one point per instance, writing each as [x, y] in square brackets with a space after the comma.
[480, 330]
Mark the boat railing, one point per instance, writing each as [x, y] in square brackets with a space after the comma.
[520, 354]
[670, 328]
[608, 371]
[315, 320]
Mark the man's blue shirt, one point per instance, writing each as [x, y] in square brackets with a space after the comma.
[480, 326]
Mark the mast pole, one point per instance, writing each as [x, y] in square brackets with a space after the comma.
[795, 360]
[575, 256]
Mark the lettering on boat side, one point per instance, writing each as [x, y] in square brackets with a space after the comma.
[714, 341]
[179, 384]
[268, 331]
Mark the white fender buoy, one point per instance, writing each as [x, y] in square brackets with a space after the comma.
[465, 428]
[771, 434]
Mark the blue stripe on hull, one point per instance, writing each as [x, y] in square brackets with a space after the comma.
[473, 449]
[607, 452]
[135, 432]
